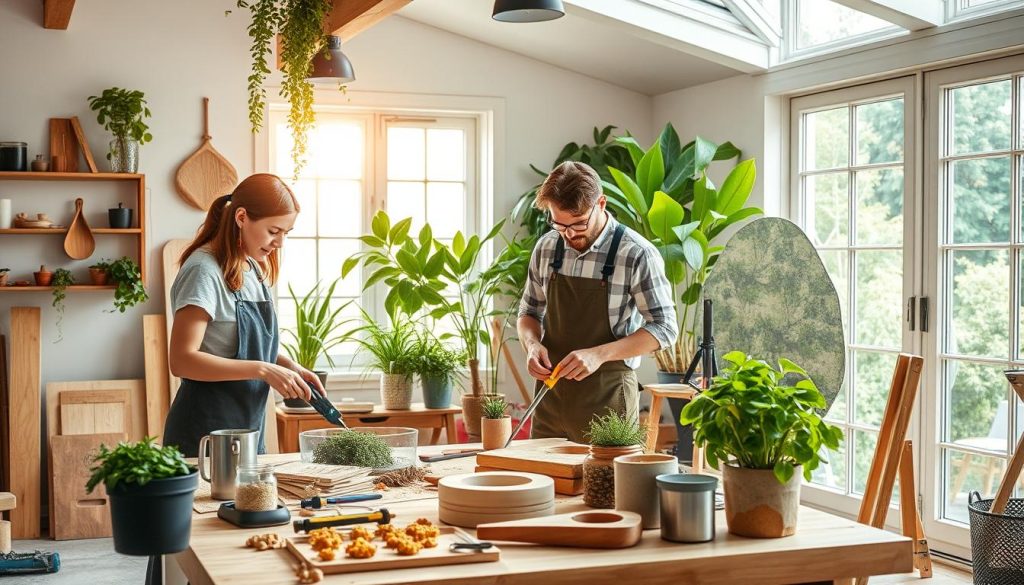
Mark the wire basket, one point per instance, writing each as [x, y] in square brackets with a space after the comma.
[997, 542]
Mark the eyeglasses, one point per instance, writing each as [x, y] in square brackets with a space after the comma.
[576, 227]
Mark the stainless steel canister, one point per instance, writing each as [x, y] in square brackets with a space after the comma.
[687, 507]
[229, 448]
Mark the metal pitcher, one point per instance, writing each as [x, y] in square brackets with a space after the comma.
[229, 448]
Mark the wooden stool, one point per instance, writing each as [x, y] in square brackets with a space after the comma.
[658, 393]
[8, 501]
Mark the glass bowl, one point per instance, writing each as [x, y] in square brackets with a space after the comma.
[402, 441]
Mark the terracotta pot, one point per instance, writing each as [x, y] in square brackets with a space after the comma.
[43, 277]
[599, 474]
[495, 432]
[757, 505]
[396, 391]
[635, 487]
[472, 412]
[99, 276]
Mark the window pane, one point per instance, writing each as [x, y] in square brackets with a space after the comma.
[350, 312]
[981, 117]
[333, 253]
[336, 150]
[980, 205]
[446, 208]
[879, 299]
[282, 163]
[980, 303]
[341, 208]
[863, 453]
[827, 139]
[446, 155]
[298, 266]
[966, 472]
[828, 208]
[880, 132]
[880, 206]
[822, 21]
[839, 407]
[406, 154]
[977, 415]
[407, 200]
[837, 264]
[286, 316]
[305, 223]
[873, 374]
[832, 471]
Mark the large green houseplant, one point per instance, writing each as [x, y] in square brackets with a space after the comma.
[122, 112]
[315, 332]
[149, 486]
[419, 269]
[761, 424]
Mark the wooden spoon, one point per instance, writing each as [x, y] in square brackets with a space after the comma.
[79, 243]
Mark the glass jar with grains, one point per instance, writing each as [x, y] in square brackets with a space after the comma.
[256, 488]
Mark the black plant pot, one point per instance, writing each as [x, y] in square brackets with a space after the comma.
[120, 217]
[300, 403]
[153, 519]
[684, 433]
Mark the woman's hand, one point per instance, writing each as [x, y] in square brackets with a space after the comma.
[288, 382]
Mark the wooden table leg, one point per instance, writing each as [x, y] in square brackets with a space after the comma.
[449, 426]
[435, 434]
[653, 423]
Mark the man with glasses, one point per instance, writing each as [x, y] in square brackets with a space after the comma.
[596, 300]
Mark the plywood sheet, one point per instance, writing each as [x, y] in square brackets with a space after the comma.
[96, 411]
[73, 512]
[171, 252]
[5, 418]
[158, 393]
[137, 408]
[25, 416]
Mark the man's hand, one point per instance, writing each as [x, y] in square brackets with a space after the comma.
[538, 363]
[581, 363]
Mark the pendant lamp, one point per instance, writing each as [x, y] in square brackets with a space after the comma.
[527, 10]
[333, 66]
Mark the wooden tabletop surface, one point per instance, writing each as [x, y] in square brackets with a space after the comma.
[825, 548]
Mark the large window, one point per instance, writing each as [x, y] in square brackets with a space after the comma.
[359, 163]
[820, 26]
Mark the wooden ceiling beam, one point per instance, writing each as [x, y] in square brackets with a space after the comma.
[57, 13]
[351, 17]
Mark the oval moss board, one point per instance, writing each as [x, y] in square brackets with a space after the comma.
[773, 298]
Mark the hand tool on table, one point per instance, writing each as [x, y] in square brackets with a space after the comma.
[548, 385]
[316, 503]
[1016, 463]
[469, 543]
[381, 516]
[322, 405]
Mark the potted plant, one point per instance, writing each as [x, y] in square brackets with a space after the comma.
[150, 489]
[43, 276]
[4, 273]
[100, 272]
[62, 279]
[417, 270]
[391, 351]
[122, 112]
[300, 26]
[763, 424]
[437, 366]
[130, 291]
[496, 425]
[610, 436]
[314, 334]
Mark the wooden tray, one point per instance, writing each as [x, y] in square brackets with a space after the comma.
[387, 559]
[559, 459]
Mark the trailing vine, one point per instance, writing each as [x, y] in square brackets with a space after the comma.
[301, 26]
[62, 279]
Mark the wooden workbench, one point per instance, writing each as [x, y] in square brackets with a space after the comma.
[825, 548]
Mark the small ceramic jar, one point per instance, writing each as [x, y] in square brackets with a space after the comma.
[41, 164]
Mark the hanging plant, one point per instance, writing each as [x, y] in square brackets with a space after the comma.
[301, 26]
[62, 279]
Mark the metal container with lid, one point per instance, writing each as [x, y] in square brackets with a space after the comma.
[687, 506]
[13, 156]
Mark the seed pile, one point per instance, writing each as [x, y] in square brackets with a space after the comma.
[259, 496]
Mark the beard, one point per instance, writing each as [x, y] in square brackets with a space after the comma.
[579, 243]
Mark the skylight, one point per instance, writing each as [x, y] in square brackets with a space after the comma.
[821, 22]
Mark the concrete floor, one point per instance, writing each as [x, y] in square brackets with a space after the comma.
[83, 562]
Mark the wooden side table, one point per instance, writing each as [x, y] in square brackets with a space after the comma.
[289, 425]
[658, 393]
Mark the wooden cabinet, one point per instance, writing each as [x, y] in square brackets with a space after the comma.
[138, 233]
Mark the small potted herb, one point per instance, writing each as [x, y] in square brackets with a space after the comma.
[437, 366]
[62, 279]
[121, 112]
[496, 424]
[391, 351]
[130, 291]
[150, 489]
[610, 436]
[763, 424]
[100, 272]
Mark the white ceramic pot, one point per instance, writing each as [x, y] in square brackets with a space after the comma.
[635, 486]
[396, 391]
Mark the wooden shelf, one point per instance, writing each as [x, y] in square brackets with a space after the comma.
[34, 231]
[72, 288]
[32, 176]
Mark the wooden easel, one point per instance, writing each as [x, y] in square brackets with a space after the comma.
[894, 454]
[498, 344]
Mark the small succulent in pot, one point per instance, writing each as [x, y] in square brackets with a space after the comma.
[99, 272]
[495, 407]
[611, 435]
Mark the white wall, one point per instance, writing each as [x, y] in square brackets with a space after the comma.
[178, 52]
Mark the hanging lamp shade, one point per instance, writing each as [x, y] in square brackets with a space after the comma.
[332, 65]
[527, 10]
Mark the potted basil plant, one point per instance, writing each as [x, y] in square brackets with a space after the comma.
[762, 426]
[150, 489]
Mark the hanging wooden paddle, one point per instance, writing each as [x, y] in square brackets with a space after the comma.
[206, 175]
[79, 243]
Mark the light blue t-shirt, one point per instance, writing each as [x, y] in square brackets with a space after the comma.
[200, 282]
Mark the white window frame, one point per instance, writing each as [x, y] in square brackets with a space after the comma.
[815, 494]
[791, 26]
[957, 10]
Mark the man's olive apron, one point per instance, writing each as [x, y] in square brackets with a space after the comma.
[577, 318]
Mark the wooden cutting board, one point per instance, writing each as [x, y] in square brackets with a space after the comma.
[73, 512]
[96, 411]
[554, 457]
[206, 174]
[596, 529]
[136, 407]
[63, 143]
[387, 559]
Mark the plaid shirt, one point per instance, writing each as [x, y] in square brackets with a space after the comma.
[639, 294]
